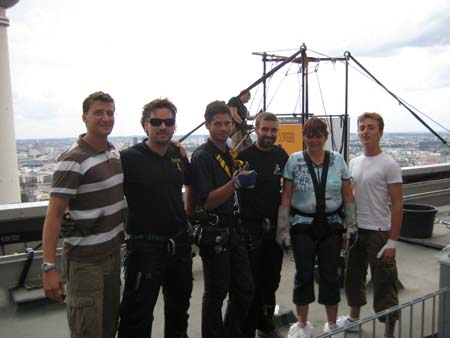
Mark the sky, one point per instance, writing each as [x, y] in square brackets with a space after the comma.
[194, 52]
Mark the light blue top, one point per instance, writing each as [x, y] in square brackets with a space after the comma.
[304, 197]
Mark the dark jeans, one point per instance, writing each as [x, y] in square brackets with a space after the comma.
[327, 250]
[266, 260]
[147, 268]
[226, 273]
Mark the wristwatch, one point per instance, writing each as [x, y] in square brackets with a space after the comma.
[47, 266]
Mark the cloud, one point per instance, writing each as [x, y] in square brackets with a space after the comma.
[46, 107]
[198, 51]
[434, 32]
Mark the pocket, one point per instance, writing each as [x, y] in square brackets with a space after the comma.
[382, 238]
[85, 277]
[387, 273]
[81, 316]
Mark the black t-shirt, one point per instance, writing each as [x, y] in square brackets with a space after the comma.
[264, 199]
[208, 175]
[153, 189]
[241, 108]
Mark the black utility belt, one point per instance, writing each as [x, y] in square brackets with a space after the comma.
[150, 237]
[206, 235]
[214, 220]
[178, 239]
[261, 226]
[215, 230]
[179, 236]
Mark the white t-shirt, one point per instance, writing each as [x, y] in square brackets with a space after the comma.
[371, 176]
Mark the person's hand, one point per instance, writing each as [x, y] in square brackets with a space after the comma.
[245, 179]
[351, 232]
[180, 147]
[53, 285]
[283, 236]
[388, 251]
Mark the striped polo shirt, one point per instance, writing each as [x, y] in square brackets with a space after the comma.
[93, 181]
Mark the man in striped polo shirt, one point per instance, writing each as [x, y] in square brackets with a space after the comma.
[87, 191]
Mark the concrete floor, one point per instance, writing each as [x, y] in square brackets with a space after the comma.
[418, 273]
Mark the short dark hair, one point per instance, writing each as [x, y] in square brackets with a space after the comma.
[375, 116]
[243, 92]
[97, 96]
[214, 108]
[157, 104]
[315, 127]
[265, 116]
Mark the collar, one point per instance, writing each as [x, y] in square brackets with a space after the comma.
[143, 145]
[211, 144]
[90, 149]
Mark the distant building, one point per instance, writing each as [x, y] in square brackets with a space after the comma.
[37, 158]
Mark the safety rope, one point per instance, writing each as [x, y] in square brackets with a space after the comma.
[299, 96]
[400, 101]
[279, 86]
[316, 71]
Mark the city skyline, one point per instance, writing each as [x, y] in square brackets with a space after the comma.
[177, 136]
[37, 158]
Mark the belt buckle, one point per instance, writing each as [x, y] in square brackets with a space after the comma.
[215, 221]
[171, 246]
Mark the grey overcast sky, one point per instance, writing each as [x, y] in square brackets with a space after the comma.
[196, 51]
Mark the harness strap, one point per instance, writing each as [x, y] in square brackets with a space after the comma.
[225, 163]
[319, 190]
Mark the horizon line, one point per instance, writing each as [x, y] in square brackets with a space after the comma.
[201, 135]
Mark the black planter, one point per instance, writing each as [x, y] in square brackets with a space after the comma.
[418, 220]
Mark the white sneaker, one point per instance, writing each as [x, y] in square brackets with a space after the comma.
[295, 331]
[269, 334]
[328, 328]
[345, 321]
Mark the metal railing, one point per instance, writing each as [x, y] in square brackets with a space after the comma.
[416, 318]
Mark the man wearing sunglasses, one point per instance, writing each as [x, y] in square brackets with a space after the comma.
[158, 245]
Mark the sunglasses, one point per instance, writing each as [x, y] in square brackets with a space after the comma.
[155, 122]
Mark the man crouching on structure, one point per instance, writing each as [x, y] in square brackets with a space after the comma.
[226, 267]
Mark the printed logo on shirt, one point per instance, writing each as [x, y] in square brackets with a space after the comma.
[277, 170]
[177, 162]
